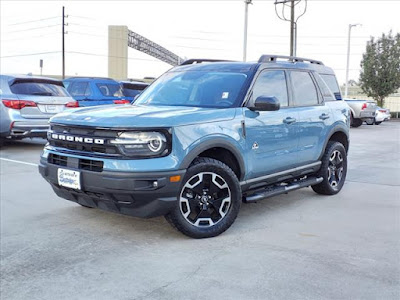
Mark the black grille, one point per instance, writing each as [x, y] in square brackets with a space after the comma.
[83, 164]
[91, 165]
[58, 160]
[99, 149]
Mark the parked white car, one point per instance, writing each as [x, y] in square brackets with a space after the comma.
[381, 115]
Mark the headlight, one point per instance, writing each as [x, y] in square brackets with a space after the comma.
[143, 144]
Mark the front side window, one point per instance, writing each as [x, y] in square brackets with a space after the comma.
[110, 89]
[79, 89]
[38, 89]
[272, 84]
[195, 88]
[305, 93]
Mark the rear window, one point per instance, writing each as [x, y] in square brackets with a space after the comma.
[331, 81]
[110, 89]
[38, 89]
[325, 90]
[131, 90]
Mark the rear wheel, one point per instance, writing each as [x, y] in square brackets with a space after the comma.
[209, 200]
[356, 122]
[333, 170]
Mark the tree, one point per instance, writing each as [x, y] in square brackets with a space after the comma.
[380, 67]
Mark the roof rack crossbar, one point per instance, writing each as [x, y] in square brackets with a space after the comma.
[198, 61]
[273, 58]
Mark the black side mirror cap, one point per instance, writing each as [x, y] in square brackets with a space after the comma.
[263, 103]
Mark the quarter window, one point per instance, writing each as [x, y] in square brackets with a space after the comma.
[272, 84]
[305, 93]
[79, 89]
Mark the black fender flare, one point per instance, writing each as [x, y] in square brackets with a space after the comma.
[214, 143]
[337, 128]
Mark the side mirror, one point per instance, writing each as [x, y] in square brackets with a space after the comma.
[263, 103]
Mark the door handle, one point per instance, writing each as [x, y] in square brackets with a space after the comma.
[324, 116]
[289, 120]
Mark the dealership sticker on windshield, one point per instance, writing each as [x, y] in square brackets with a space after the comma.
[69, 178]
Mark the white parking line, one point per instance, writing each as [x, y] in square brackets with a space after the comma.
[19, 162]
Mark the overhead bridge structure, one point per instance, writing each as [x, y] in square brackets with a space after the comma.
[120, 38]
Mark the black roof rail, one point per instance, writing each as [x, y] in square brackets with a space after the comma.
[200, 60]
[273, 58]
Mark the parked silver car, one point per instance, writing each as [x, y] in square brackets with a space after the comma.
[28, 102]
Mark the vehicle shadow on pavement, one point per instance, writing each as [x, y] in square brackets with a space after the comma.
[251, 216]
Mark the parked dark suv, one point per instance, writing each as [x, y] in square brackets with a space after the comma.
[201, 139]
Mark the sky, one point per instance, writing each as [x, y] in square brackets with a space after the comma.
[31, 30]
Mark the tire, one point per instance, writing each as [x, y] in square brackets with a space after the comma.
[333, 170]
[356, 122]
[208, 201]
[370, 122]
[377, 123]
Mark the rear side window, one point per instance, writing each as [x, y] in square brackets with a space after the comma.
[332, 84]
[38, 89]
[109, 89]
[272, 84]
[326, 92]
[304, 90]
[79, 89]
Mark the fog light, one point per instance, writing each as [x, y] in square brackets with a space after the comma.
[176, 178]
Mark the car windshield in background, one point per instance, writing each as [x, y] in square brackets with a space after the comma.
[194, 88]
[131, 90]
[110, 89]
[38, 89]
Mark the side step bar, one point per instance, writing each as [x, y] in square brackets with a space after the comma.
[282, 189]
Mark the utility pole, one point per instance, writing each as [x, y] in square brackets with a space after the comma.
[63, 42]
[247, 2]
[292, 30]
[293, 20]
[346, 91]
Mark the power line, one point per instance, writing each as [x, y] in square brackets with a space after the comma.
[35, 28]
[30, 54]
[33, 21]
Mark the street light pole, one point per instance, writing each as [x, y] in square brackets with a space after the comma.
[346, 91]
[247, 2]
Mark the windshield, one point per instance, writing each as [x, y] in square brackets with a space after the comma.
[194, 88]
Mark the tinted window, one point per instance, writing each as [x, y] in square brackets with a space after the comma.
[305, 93]
[272, 84]
[194, 88]
[131, 90]
[38, 89]
[80, 89]
[110, 89]
[333, 85]
[326, 92]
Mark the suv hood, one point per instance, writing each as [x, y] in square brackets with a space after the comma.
[131, 116]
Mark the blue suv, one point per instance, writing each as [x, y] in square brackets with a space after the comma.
[203, 138]
[92, 91]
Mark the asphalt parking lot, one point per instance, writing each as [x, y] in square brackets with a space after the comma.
[296, 246]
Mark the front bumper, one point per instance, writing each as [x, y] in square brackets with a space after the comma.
[133, 194]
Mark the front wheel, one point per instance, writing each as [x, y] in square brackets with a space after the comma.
[209, 199]
[333, 170]
[377, 123]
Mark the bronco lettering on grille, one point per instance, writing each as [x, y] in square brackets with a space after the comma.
[78, 139]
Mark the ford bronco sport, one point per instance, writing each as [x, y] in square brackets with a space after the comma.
[203, 138]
